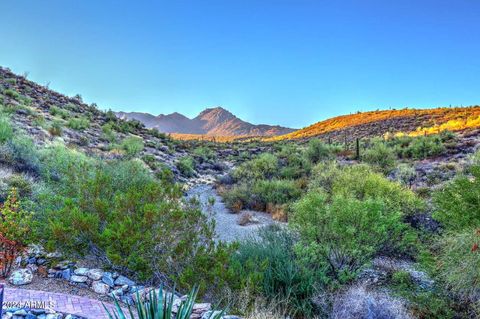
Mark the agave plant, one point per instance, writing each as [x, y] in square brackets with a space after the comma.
[158, 306]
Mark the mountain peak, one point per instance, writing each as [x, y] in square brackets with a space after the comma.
[215, 121]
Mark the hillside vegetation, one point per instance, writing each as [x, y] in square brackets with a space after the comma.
[396, 122]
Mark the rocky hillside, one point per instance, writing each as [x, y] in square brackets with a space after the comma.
[50, 117]
[211, 122]
[378, 123]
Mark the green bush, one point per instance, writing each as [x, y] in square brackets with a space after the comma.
[293, 164]
[186, 166]
[269, 267]
[318, 151]
[276, 192]
[79, 124]
[264, 166]
[405, 174]
[6, 130]
[57, 111]
[204, 153]
[126, 214]
[132, 146]
[21, 154]
[344, 233]
[361, 182]
[12, 93]
[459, 262]
[420, 147]
[56, 128]
[457, 204]
[380, 156]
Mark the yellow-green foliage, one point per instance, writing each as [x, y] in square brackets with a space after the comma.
[360, 181]
[132, 145]
[342, 233]
[458, 203]
[263, 167]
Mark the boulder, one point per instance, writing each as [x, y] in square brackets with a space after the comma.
[81, 271]
[122, 280]
[100, 288]
[95, 274]
[21, 277]
[78, 279]
[107, 278]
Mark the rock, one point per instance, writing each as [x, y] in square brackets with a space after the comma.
[33, 268]
[107, 278]
[55, 254]
[54, 316]
[78, 279]
[100, 288]
[122, 280]
[81, 271]
[21, 277]
[64, 264]
[20, 312]
[95, 274]
[117, 292]
[66, 274]
[199, 309]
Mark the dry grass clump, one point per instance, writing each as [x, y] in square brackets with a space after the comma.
[358, 302]
[246, 218]
[278, 212]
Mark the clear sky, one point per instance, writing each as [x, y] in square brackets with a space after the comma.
[268, 61]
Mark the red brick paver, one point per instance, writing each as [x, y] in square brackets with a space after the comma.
[81, 306]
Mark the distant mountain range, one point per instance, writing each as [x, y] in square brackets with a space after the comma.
[212, 121]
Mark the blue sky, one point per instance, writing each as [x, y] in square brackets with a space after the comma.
[276, 62]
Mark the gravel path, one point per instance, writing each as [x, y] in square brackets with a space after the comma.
[226, 225]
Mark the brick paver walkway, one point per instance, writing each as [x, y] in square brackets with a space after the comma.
[81, 306]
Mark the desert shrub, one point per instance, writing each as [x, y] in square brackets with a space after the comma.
[132, 145]
[21, 154]
[418, 147]
[405, 174]
[118, 209]
[15, 231]
[57, 111]
[186, 166]
[11, 93]
[457, 204]
[344, 233]
[6, 130]
[318, 151]
[380, 156]
[293, 164]
[165, 174]
[276, 191]
[361, 182]
[205, 154]
[56, 128]
[269, 267]
[21, 184]
[459, 261]
[159, 305]
[108, 132]
[424, 303]
[264, 166]
[238, 197]
[79, 124]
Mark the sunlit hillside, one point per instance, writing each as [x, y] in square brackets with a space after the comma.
[405, 121]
